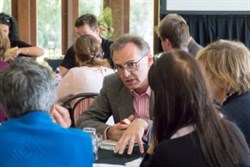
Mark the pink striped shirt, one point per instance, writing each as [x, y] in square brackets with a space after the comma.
[141, 104]
[141, 108]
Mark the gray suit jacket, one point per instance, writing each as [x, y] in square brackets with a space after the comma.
[114, 99]
[193, 47]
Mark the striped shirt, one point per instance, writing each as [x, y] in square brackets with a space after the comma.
[141, 104]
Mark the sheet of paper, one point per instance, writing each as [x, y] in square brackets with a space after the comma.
[107, 144]
[134, 163]
[106, 165]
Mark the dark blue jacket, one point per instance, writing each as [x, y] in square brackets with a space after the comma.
[237, 109]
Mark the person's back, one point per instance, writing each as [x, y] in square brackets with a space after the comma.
[188, 130]
[82, 80]
[237, 109]
[86, 24]
[88, 77]
[186, 151]
[30, 137]
[34, 140]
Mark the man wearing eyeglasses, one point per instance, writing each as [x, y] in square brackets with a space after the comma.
[125, 94]
[86, 24]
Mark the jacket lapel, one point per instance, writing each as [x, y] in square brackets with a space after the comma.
[125, 108]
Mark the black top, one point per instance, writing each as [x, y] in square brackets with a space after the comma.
[69, 58]
[237, 109]
[19, 44]
[182, 151]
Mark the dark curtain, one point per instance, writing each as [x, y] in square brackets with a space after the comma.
[209, 28]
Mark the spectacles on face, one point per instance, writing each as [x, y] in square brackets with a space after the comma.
[131, 66]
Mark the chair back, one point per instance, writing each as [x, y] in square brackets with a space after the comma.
[77, 104]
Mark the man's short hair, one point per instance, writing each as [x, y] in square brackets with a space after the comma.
[88, 19]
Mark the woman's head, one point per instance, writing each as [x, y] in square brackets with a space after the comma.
[26, 86]
[180, 92]
[88, 50]
[9, 26]
[4, 45]
[227, 65]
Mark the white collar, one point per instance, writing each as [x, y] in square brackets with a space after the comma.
[183, 131]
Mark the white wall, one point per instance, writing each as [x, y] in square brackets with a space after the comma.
[208, 5]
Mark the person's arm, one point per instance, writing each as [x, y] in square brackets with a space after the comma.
[25, 49]
[32, 51]
[67, 86]
[68, 61]
[63, 70]
[98, 113]
[133, 134]
[116, 131]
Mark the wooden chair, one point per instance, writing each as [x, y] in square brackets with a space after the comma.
[78, 103]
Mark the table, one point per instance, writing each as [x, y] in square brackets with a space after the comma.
[109, 157]
[54, 63]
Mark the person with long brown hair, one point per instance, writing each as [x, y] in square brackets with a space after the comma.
[188, 130]
[88, 77]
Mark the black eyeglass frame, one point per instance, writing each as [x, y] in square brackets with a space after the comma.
[130, 66]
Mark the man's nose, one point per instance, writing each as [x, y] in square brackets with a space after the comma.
[126, 72]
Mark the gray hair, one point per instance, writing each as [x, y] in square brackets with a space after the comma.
[26, 86]
[142, 45]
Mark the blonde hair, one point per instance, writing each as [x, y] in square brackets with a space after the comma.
[4, 45]
[87, 49]
[227, 63]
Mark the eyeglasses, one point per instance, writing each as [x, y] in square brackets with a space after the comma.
[131, 66]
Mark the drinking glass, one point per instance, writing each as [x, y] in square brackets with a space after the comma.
[92, 132]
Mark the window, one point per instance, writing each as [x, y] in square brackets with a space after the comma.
[141, 21]
[49, 31]
[5, 6]
[94, 6]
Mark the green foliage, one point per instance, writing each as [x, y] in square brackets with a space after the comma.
[6, 4]
[106, 23]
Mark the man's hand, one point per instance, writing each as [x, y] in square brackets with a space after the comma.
[116, 131]
[60, 115]
[132, 135]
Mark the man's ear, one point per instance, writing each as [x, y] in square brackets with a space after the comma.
[150, 58]
[166, 45]
[98, 30]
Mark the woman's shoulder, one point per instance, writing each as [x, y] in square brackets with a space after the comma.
[97, 69]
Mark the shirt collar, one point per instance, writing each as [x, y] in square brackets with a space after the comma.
[148, 92]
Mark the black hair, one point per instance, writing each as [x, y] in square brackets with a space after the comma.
[13, 27]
